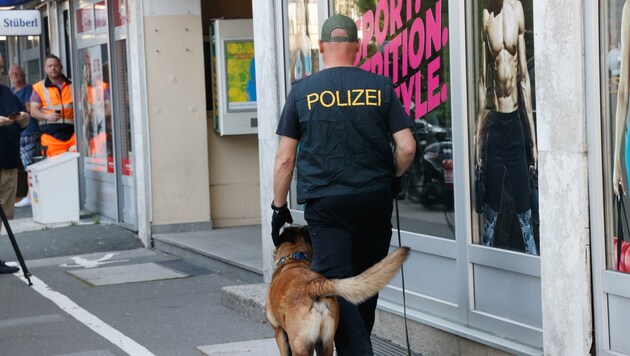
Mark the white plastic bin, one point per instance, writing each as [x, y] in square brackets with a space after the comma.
[54, 184]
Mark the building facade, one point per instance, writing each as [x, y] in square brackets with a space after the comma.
[152, 160]
[457, 66]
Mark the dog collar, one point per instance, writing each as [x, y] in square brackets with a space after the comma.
[296, 256]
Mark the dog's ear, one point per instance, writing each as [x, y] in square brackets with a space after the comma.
[305, 234]
[288, 235]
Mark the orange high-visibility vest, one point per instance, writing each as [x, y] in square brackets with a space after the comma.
[55, 99]
[97, 90]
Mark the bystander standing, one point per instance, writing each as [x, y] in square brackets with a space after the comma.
[13, 119]
[53, 105]
[29, 139]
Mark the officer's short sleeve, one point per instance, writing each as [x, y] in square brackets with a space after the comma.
[398, 118]
[289, 124]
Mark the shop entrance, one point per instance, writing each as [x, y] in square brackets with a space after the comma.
[102, 110]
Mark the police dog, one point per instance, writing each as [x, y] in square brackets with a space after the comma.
[301, 305]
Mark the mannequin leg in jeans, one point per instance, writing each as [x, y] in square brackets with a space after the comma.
[525, 220]
[491, 222]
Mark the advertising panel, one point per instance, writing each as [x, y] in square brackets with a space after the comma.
[241, 75]
[407, 41]
[503, 125]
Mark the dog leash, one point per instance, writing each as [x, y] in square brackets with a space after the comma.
[402, 278]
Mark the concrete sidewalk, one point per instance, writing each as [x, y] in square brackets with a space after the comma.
[235, 251]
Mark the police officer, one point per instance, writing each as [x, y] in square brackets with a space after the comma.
[52, 105]
[342, 118]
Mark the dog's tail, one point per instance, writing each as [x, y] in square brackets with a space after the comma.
[359, 288]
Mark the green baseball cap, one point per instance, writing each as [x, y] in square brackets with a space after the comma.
[339, 21]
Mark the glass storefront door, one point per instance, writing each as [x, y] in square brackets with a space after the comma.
[104, 127]
[96, 136]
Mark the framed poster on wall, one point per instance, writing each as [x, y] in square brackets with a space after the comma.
[240, 74]
[233, 77]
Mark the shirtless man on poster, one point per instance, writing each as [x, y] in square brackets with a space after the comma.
[499, 129]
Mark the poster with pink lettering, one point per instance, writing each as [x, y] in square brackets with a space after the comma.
[408, 42]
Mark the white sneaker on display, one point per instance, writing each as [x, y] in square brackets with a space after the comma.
[22, 203]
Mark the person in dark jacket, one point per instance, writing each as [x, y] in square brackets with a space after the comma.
[343, 118]
[13, 119]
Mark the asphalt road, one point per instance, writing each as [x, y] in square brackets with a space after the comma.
[96, 291]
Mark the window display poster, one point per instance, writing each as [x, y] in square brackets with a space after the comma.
[241, 75]
[85, 19]
[410, 45]
[504, 152]
[408, 41]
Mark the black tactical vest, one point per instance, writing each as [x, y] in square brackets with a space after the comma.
[345, 144]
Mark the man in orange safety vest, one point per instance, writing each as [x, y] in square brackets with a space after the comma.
[52, 106]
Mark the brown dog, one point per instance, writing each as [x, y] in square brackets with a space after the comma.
[301, 304]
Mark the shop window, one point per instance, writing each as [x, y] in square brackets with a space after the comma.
[33, 70]
[31, 42]
[303, 44]
[502, 125]
[90, 19]
[100, 15]
[407, 41]
[85, 19]
[303, 38]
[96, 136]
[45, 37]
[615, 43]
[120, 13]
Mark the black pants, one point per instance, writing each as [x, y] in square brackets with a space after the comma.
[350, 233]
[506, 155]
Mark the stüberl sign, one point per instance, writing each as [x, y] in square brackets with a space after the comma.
[20, 23]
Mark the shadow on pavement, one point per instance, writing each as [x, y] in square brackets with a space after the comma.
[69, 240]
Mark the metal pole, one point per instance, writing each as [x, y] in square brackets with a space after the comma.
[16, 248]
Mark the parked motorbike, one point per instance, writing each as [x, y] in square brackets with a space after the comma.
[430, 177]
[438, 175]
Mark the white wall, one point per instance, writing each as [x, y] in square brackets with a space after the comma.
[176, 112]
[265, 40]
[563, 178]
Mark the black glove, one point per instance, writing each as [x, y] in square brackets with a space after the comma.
[281, 215]
[397, 186]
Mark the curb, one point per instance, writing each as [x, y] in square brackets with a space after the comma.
[248, 300]
[28, 224]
